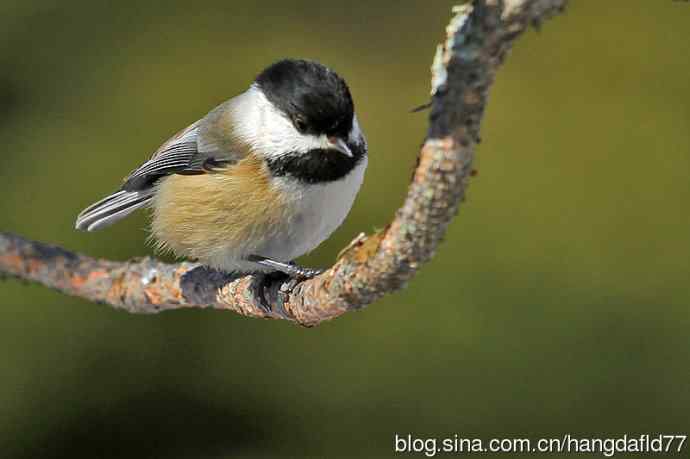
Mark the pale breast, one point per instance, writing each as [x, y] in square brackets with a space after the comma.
[221, 218]
[316, 210]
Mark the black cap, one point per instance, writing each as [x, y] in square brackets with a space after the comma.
[314, 97]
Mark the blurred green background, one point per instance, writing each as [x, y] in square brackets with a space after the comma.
[559, 301]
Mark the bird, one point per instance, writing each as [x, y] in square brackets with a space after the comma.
[260, 180]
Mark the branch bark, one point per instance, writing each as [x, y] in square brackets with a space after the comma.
[478, 39]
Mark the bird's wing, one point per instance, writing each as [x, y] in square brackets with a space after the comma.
[191, 151]
[203, 147]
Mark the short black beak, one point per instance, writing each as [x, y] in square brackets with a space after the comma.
[339, 144]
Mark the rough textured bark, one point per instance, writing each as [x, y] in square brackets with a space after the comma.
[478, 38]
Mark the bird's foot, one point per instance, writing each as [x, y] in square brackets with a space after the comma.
[289, 275]
[267, 281]
[290, 269]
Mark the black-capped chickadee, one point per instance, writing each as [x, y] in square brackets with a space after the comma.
[262, 179]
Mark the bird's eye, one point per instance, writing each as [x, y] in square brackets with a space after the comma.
[300, 124]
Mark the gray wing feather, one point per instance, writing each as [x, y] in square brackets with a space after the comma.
[111, 209]
[181, 154]
[198, 149]
[176, 155]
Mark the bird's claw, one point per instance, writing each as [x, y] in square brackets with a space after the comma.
[287, 285]
[303, 273]
[264, 285]
[289, 268]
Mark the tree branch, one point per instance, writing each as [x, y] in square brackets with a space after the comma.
[478, 38]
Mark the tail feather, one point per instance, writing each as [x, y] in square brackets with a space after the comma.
[111, 209]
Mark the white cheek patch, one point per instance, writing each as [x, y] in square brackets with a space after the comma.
[280, 138]
[272, 134]
[269, 131]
